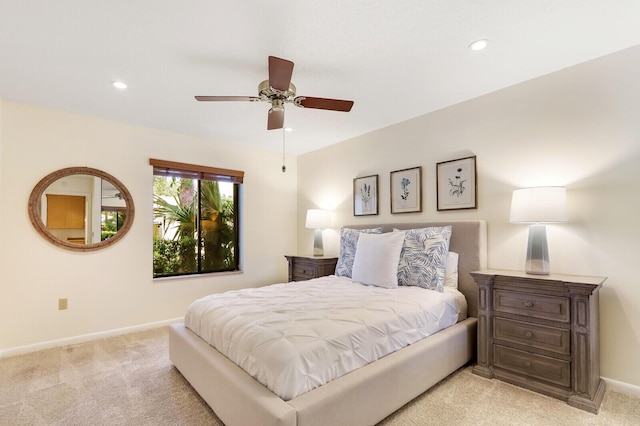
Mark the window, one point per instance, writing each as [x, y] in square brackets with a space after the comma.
[112, 219]
[196, 219]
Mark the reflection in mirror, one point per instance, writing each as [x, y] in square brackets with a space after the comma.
[80, 208]
[112, 210]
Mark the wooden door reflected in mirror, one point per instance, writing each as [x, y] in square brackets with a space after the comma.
[81, 209]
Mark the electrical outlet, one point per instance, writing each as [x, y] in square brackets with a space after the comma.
[62, 304]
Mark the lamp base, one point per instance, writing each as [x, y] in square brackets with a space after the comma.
[537, 251]
[318, 250]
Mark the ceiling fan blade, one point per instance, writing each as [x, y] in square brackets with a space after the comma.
[323, 103]
[227, 98]
[276, 119]
[280, 71]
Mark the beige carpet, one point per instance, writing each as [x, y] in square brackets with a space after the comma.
[129, 380]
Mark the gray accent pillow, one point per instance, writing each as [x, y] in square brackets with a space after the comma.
[348, 244]
[423, 258]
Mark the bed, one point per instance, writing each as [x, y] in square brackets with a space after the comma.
[362, 397]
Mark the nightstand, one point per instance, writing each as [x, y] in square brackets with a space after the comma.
[303, 268]
[540, 332]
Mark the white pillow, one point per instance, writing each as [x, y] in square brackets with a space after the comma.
[348, 244]
[451, 271]
[377, 257]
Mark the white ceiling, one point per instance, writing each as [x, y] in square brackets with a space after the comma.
[395, 59]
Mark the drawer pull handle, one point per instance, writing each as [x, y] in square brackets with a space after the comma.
[528, 334]
[528, 304]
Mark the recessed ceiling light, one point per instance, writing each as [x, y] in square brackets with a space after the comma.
[479, 44]
[119, 85]
[288, 129]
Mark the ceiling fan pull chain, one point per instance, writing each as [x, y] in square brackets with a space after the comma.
[284, 168]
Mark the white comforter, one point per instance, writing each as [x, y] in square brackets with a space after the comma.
[295, 337]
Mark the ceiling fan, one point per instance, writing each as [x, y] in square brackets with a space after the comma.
[278, 90]
[117, 195]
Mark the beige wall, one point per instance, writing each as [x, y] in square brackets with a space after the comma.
[578, 127]
[1, 169]
[113, 288]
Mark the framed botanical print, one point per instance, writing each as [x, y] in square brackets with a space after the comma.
[406, 190]
[456, 184]
[365, 195]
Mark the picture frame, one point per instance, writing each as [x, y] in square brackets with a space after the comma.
[456, 184]
[406, 190]
[365, 195]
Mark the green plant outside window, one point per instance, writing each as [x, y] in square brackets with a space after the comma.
[195, 226]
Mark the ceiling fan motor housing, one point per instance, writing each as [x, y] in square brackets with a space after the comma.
[276, 97]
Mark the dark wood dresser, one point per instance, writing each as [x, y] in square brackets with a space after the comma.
[541, 332]
[303, 268]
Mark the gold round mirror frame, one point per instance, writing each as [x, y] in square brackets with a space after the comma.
[35, 206]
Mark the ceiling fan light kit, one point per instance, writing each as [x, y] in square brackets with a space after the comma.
[278, 91]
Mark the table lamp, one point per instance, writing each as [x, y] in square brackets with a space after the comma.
[540, 205]
[318, 219]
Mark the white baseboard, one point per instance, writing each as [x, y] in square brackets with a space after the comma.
[19, 350]
[622, 387]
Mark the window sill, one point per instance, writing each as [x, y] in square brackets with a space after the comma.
[193, 276]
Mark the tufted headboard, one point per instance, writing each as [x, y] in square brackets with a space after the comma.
[468, 239]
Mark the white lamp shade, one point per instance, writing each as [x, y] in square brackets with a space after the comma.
[318, 219]
[545, 204]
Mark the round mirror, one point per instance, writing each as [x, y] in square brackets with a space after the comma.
[81, 209]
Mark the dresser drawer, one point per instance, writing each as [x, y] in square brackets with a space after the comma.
[302, 268]
[303, 271]
[552, 339]
[532, 305]
[541, 367]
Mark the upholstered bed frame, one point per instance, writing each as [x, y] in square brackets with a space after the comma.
[362, 397]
